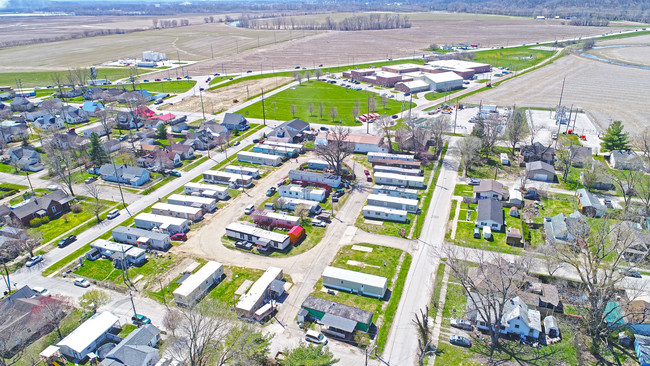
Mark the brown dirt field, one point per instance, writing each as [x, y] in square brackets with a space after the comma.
[221, 99]
[629, 55]
[607, 92]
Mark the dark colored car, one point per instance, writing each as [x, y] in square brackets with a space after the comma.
[271, 191]
[66, 241]
[256, 141]
[394, 116]
[459, 341]
[323, 128]
[175, 173]
[631, 273]
[179, 237]
[139, 320]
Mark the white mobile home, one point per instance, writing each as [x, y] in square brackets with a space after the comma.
[385, 214]
[330, 180]
[141, 238]
[398, 170]
[258, 293]
[393, 179]
[88, 336]
[118, 251]
[317, 164]
[253, 172]
[303, 193]
[195, 286]
[182, 212]
[290, 204]
[354, 282]
[297, 147]
[262, 238]
[378, 155]
[171, 225]
[229, 179]
[207, 190]
[259, 158]
[284, 151]
[395, 203]
[204, 203]
[278, 219]
[395, 191]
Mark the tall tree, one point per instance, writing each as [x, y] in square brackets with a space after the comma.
[517, 128]
[425, 343]
[245, 346]
[293, 109]
[92, 300]
[626, 181]
[337, 149]
[297, 76]
[310, 108]
[161, 131]
[321, 110]
[333, 113]
[61, 161]
[95, 191]
[642, 142]
[643, 192]
[615, 138]
[309, 355]
[318, 73]
[383, 127]
[565, 156]
[96, 151]
[469, 148]
[307, 75]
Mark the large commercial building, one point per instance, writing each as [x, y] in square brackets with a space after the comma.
[264, 239]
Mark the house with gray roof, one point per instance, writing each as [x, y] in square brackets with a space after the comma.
[235, 121]
[74, 115]
[11, 131]
[21, 104]
[626, 160]
[71, 140]
[338, 315]
[490, 189]
[589, 204]
[538, 152]
[516, 317]
[128, 120]
[539, 170]
[125, 174]
[213, 127]
[137, 349]
[290, 131]
[27, 158]
[185, 151]
[49, 122]
[33, 116]
[556, 228]
[51, 205]
[581, 155]
[141, 237]
[490, 213]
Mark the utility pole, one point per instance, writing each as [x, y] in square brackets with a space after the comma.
[212, 51]
[456, 116]
[558, 111]
[368, 120]
[201, 95]
[263, 111]
[30, 183]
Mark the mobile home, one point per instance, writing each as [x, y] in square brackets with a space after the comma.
[109, 249]
[395, 191]
[354, 282]
[259, 158]
[393, 179]
[262, 238]
[196, 285]
[395, 203]
[397, 163]
[397, 170]
[304, 193]
[283, 151]
[182, 212]
[171, 225]
[297, 147]
[88, 336]
[255, 298]
[275, 219]
[321, 179]
[317, 164]
[384, 214]
[372, 156]
[229, 179]
[253, 172]
[204, 203]
[141, 238]
[207, 190]
[290, 204]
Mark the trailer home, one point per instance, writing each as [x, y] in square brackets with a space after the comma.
[400, 180]
[142, 238]
[297, 147]
[304, 193]
[372, 156]
[395, 203]
[317, 164]
[169, 224]
[394, 191]
[283, 151]
[322, 179]
[256, 296]
[259, 158]
[206, 190]
[264, 239]
[118, 252]
[394, 169]
[204, 203]
[397, 163]
[253, 172]
[275, 219]
[181, 212]
[354, 282]
[290, 204]
[196, 285]
[230, 179]
[384, 214]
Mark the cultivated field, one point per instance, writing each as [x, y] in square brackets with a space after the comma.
[605, 91]
[631, 55]
[221, 99]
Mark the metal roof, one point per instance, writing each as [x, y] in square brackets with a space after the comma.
[358, 277]
[192, 282]
[88, 332]
[337, 322]
[340, 310]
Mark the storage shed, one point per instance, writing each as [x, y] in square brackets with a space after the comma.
[142, 238]
[204, 203]
[296, 234]
[171, 225]
[395, 203]
[182, 212]
[400, 180]
[196, 285]
[384, 214]
[354, 282]
[259, 158]
[551, 327]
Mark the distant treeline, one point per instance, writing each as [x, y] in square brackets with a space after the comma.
[353, 23]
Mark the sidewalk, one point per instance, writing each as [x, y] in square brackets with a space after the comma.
[435, 336]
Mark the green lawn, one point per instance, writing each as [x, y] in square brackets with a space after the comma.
[103, 270]
[44, 78]
[437, 288]
[464, 190]
[170, 87]
[128, 328]
[64, 223]
[389, 314]
[454, 301]
[67, 259]
[278, 106]
[486, 168]
[235, 276]
[390, 228]
[516, 58]
[382, 261]
[438, 95]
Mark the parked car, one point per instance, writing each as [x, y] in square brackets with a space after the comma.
[318, 223]
[338, 193]
[66, 241]
[271, 191]
[324, 217]
[315, 337]
[123, 137]
[113, 214]
[52, 187]
[139, 320]
[249, 209]
[477, 233]
[335, 199]
[366, 172]
[179, 237]
[459, 341]
[256, 141]
[249, 71]
[631, 273]
[394, 116]
[34, 260]
[323, 128]
[243, 244]
[368, 178]
[461, 323]
[407, 94]
[236, 143]
[41, 291]
[81, 282]
[90, 180]
[175, 173]
[474, 182]
[608, 203]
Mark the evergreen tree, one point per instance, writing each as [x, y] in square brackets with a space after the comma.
[479, 128]
[98, 155]
[309, 355]
[615, 138]
[161, 131]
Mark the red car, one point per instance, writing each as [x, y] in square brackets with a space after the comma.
[366, 172]
[179, 237]
[368, 178]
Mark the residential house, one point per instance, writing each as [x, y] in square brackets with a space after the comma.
[539, 170]
[160, 159]
[7, 96]
[581, 155]
[490, 189]
[51, 205]
[638, 242]
[335, 315]
[362, 143]
[89, 336]
[93, 108]
[556, 228]
[21, 104]
[144, 112]
[74, 115]
[49, 122]
[290, 131]
[538, 152]
[642, 348]
[67, 94]
[122, 255]
[135, 97]
[136, 349]
[11, 131]
[27, 158]
[197, 284]
[255, 299]
[213, 127]
[141, 238]
[128, 121]
[516, 318]
[146, 134]
[153, 123]
[589, 205]
[112, 145]
[234, 121]
[99, 130]
[490, 214]
[34, 115]
[180, 127]
[626, 160]
[125, 174]
[354, 282]
[70, 140]
[202, 140]
[186, 152]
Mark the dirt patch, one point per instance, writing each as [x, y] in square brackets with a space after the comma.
[628, 55]
[224, 98]
[605, 91]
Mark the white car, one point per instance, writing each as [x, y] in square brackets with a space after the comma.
[33, 261]
[318, 223]
[41, 291]
[113, 214]
[52, 187]
[81, 282]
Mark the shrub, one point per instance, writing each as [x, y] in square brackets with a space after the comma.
[76, 208]
[36, 222]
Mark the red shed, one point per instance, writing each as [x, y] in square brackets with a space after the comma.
[296, 234]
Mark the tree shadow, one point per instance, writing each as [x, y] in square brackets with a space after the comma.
[509, 351]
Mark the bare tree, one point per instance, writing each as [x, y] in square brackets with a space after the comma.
[310, 108]
[307, 75]
[32, 240]
[321, 110]
[383, 126]
[318, 73]
[424, 334]
[517, 128]
[297, 76]
[302, 211]
[61, 162]
[172, 320]
[355, 112]
[10, 352]
[53, 309]
[383, 101]
[51, 106]
[641, 142]
[293, 109]
[643, 192]
[438, 128]
[490, 135]
[626, 181]
[95, 192]
[337, 149]
[565, 156]
[372, 104]
[333, 113]
[550, 259]
[469, 148]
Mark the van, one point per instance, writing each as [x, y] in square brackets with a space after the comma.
[249, 209]
[315, 337]
[113, 214]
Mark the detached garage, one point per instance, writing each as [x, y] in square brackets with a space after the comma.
[539, 170]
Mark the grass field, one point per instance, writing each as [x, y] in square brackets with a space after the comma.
[278, 106]
[516, 58]
[44, 78]
[173, 87]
